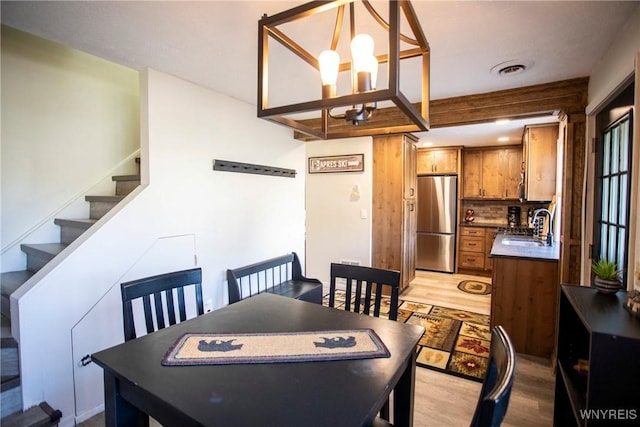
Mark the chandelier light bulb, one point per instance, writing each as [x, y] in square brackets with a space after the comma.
[329, 64]
[361, 52]
[373, 69]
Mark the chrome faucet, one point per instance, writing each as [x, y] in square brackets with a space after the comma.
[550, 232]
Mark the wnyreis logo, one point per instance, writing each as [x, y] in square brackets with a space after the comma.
[608, 414]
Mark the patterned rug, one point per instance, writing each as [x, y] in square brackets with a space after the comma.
[455, 342]
[475, 287]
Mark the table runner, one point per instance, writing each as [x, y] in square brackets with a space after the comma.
[229, 348]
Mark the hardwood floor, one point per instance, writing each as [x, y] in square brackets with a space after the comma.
[446, 400]
[443, 400]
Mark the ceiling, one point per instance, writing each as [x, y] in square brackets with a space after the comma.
[214, 43]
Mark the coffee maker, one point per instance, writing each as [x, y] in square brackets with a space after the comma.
[513, 216]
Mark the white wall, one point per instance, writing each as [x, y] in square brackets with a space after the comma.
[613, 70]
[335, 228]
[67, 119]
[234, 219]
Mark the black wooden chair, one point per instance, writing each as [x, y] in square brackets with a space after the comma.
[171, 284]
[364, 288]
[498, 381]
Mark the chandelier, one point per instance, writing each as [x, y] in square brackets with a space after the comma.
[346, 97]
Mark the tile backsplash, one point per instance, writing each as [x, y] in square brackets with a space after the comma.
[495, 211]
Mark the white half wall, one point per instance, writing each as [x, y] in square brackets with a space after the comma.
[234, 219]
[338, 219]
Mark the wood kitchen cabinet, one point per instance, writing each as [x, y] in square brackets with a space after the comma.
[524, 300]
[489, 237]
[540, 147]
[474, 249]
[394, 220]
[491, 173]
[438, 161]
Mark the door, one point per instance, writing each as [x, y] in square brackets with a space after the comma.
[493, 174]
[437, 204]
[436, 235]
[436, 252]
[472, 174]
[613, 184]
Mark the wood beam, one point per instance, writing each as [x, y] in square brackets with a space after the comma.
[569, 96]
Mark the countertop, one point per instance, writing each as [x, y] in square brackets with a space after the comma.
[482, 224]
[547, 253]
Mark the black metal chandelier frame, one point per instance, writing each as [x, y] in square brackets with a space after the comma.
[418, 117]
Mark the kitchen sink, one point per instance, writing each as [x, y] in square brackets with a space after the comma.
[519, 241]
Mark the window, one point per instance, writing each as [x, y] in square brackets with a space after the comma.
[613, 183]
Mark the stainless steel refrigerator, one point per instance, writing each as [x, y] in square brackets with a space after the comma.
[437, 213]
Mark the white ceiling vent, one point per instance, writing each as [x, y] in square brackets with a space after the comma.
[511, 68]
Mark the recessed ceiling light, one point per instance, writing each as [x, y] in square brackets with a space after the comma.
[503, 139]
[510, 68]
[502, 121]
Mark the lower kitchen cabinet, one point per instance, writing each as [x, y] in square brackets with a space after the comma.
[475, 246]
[597, 368]
[524, 300]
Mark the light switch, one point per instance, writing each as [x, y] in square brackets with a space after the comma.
[364, 214]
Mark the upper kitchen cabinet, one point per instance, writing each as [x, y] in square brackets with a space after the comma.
[540, 147]
[443, 161]
[394, 220]
[491, 173]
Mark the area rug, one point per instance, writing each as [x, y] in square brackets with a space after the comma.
[313, 346]
[455, 342]
[475, 287]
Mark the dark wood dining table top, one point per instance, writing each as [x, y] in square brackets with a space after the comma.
[327, 393]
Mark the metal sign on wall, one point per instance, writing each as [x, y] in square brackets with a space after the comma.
[344, 163]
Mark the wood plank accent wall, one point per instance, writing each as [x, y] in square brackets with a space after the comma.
[573, 191]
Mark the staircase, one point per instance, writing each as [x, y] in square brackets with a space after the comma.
[39, 255]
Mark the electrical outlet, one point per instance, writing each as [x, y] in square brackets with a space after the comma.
[208, 306]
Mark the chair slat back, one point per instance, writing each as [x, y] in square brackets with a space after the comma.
[496, 387]
[171, 285]
[250, 280]
[364, 288]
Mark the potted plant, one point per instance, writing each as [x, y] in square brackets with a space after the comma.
[607, 278]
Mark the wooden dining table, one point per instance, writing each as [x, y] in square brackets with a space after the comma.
[311, 393]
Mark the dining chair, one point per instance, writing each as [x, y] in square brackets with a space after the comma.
[498, 382]
[362, 299]
[172, 285]
[364, 288]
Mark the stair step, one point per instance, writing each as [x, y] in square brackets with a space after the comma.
[71, 229]
[5, 327]
[40, 254]
[9, 282]
[12, 280]
[10, 397]
[38, 416]
[100, 205]
[125, 184]
[9, 364]
[125, 178]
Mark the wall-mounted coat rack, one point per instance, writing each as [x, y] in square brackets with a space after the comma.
[228, 166]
